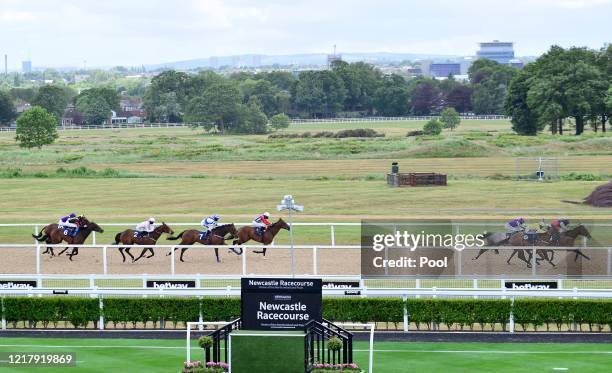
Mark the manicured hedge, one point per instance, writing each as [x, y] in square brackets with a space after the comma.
[562, 313]
[363, 309]
[461, 312]
[78, 311]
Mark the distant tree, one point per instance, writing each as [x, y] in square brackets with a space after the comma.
[249, 119]
[459, 97]
[524, 120]
[168, 109]
[319, 93]
[279, 121]
[433, 127]
[425, 97]
[450, 118]
[161, 85]
[109, 95]
[23, 94]
[361, 80]
[217, 107]
[54, 99]
[391, 98]
[94, 107]
[36, 127]
[7, 110]
[489, 81]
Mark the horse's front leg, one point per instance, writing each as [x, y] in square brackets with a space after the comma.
[61, 252]
[122, 254]
[152, 252]
[75, 251]
[232, 249]
[141, 255]
[217, 254]
[482, 251]
[580, 253]
[512, 255]
[127, 250]
[182, 253]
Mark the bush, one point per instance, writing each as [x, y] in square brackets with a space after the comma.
[36, 127]
[415, 133]
[433, 127]
[358, 132]
[450, 118]
[279, 121]
[78, 311]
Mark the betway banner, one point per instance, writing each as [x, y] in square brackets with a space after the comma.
[17, 284]
[280, 303]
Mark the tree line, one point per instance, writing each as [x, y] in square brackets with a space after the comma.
[563, 86]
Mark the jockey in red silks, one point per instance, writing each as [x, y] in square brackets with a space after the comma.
[261, 222]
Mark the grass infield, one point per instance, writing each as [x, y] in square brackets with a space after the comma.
[141, 355]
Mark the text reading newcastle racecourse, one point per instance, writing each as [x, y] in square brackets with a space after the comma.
[284, 283]
[274, 313]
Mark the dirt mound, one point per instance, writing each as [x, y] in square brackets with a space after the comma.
[601, 196]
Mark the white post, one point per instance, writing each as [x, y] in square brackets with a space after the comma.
[333, 235]
[93, 237]
[371, 348]
[292, 248]
[512, 316]
[101, 321]
[92, 282]
[172, 260]
[104, 261]
[188, 342]
[475, 286]
[244, 261]
[314, 260]
[405, 299]
[38, 258]
[2, 311]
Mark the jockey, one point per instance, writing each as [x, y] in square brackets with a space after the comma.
[515, 225]
[70, 221]
[261, 222]
[210, 222]
[558, 226]
[143, 229]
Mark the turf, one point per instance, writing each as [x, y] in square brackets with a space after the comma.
[126, 355]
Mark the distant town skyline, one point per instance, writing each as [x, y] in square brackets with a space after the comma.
[75, 33]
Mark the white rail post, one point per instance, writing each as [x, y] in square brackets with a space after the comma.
[101, 305]
[172, 260]
[2, 311]
[512, 315]
[104, 261]
[314, 260]
[244, 259]
[406, 325]
[93, 237]
[475, 286]
[92, 281]
[188, 342]
[333, 235]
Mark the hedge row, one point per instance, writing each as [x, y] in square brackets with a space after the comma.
[423, 312]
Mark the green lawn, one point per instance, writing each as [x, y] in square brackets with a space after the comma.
[138, 355]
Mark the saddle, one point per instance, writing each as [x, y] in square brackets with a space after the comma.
[204, 235]
[138, 234]
[531, 237]
[68, 231]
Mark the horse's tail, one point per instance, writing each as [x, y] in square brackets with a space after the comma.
[40, 237]
[573, 202]
[176, 237]
[117, 238]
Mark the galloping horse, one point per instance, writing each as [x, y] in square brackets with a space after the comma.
[492, 239]
[52, 234]
[568, 238]
[130, 237]
[215, 237]
[248, 233]
[541, 239]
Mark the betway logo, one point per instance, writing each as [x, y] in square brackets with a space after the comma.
[530, 287]
[12, 285]
[169, 285]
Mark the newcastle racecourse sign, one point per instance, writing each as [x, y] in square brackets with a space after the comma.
[280, 303]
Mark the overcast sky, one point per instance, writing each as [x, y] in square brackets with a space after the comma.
[134, 32]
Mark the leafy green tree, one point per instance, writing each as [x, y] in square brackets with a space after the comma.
[23, 94]
[217, 107]
[94, 107]
[391, 99]
[279, 121]
[161, 85]
[489, 81]
[7, 110]
[361, 80]
[319, 93]
[425, 97]
[249, 119]
[450, 118]
[54, 99]
[433, 127]
[459, 97]
[36, 127]
[168, 109]
[524, 120]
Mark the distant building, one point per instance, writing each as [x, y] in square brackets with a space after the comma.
[26, 67]
[438, 70]
[331, 58]
[498, 51]
[517, 63]
[72, 117]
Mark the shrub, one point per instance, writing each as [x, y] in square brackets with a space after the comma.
[205, 341]
[415, 133]
[334, 344]
[433, 127]
[279, 121]
[450, 118]
[36, 127]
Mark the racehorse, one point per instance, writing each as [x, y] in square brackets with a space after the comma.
[492, 239]
[568, 239]
[541, 239]
[130, 237]
[215, 237]
[52, 234]
[248, 233]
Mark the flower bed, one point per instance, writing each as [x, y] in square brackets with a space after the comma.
[210, 367]
[323, 368]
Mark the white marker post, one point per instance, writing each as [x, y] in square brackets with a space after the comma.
[287, 203]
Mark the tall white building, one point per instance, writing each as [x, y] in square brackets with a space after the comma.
[498, 51]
